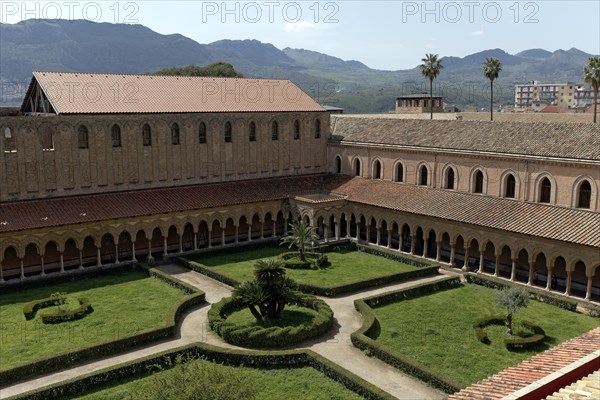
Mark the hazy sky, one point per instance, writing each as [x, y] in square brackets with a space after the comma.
[382, 34]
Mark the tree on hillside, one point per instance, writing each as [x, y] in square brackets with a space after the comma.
[301, 237]
[267, 296]
[491, 70]
[591, 74]
[430, 69]
[511, 299]
[218, 69]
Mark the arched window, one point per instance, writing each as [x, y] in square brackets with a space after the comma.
[202, 133]
[10, 144]
[545, 190]
[511, 184]
[274, 131]
[47, 139]
[175, 134]
[115, 135]
[450, 178]
[357, 167]
[584, 195]
[147, 135]
[423, 176]
[82, 137]
[252, 132]
[296, 130]
[227, 132]
[338, 165]
[317, 128]
[478, 182]
[399, 172]
[377, 170]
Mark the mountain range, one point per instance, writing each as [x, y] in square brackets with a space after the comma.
[79, 45]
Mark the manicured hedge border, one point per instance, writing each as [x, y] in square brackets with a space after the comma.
[512, 343]
[422, 271]
[535, 293]
[63, 360]
[85, 307]
[254, 359]
[364, 338]
[257, 337]
[391, 254]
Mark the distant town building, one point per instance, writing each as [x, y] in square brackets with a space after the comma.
[332, 109]
[566, 96]
[418, 103]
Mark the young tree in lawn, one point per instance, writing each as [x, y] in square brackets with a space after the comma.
[491, 70]
[591, 74]
[430, 69]
[302, 236]
[511, 299]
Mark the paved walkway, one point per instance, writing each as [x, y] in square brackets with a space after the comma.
[335, 347]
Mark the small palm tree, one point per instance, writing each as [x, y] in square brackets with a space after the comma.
[269, 272]
[253, 295]
[301, 237]
[491, 70]
[591, 74]
[430, 69]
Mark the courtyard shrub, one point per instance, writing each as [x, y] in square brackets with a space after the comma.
[85, 307]
[481, 333]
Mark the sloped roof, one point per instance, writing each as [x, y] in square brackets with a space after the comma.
[544, 139]
[94, 93]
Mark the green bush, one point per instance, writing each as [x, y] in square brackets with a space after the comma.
[257, 337]
[519, 343]
[480, 332]
[31, 308]
[314, 260]
[85, 307]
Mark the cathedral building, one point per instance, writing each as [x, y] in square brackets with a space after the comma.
[101, 169]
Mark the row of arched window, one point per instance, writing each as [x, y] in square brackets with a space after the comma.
[544, 186]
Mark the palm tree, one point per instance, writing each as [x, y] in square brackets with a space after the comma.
[491, 70]
[431, 68]
[302, 236]
[591, 74]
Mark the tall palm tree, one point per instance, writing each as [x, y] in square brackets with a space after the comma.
[301, 237]
[591, 74]
[491, 70]
[430, 69]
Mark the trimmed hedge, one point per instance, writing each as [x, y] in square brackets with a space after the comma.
[480, 332]
[518, 343]
[364, 337]
[392, 255]
[85, 307]
[31, 308]
[258, 337]
[314, 260]
[100, 350]
[201, 269]
[266, 359]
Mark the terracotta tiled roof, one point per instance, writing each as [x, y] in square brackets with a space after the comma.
[74, 210]
[84, 93]
[552, 222]
[553, 109]
[533, 369]
[563, 140]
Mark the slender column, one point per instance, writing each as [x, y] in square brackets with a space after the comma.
[480, 270]
[80, 258]
[22, 270]
[325, 233]
[274, 229]
[513, 270]
[195, 241]
[568, 290]
[62, 263]
[249, 233]
[133, 252]
[550, 269]
[285, 226]
[530, 277]
[237, 232]
[1, 273]
[209, 238]
[497, 266]
[588, 291]
[165, 246]
[425, 246]
[348, 229]
[452, 251]
[99, 263]
[438, 251]
[150, 249]
[466, 260]
[181, 243]
[222, 237]
[43, 271]
[357, 232]
[262, 230]
[337, 231]
[378, 236]
[116, 253]
[389, 237]
[413, 242]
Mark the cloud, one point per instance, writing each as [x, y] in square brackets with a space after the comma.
[429, 46]
[477, 33]
[300, 26]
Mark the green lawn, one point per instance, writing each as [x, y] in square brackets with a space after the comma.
[346, 266]
[436, 330]
[271, 384]
[292, 316]
[124, 304]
